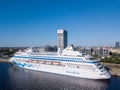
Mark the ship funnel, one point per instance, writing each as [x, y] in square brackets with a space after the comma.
[59, 51]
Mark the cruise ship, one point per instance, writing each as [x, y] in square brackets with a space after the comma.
[64, 62]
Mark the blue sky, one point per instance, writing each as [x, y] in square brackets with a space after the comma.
[35, 22]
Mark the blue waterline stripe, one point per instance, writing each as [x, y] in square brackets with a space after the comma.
[56, 59]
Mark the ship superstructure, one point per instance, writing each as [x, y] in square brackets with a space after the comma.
[65, 62]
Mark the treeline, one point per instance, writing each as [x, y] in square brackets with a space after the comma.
[114, 58]
[7, 52]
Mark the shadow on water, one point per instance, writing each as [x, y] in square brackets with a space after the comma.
[22, 79]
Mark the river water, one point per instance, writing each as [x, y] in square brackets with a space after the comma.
[14, 78]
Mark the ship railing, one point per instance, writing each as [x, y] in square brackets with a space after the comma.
[43, 53]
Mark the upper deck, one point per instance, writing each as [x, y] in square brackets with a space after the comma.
[67, 55]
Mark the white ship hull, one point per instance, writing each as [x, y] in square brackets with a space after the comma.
[62, 70]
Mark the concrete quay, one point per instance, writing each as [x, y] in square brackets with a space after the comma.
[114, 69]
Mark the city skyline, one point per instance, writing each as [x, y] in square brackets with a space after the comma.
[35, 23]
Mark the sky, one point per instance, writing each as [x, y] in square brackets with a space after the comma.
[35, 22]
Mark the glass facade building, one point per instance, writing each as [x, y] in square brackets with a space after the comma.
[62, 39]
[117, 44]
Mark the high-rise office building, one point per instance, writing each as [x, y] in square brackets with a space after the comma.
[62, 39]
[117, 44]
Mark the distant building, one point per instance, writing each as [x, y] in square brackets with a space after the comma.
[62, 39]
[105, 51]
[117, 44]
[115, 50]
[87, 51]
[101, 51]
[97, 51]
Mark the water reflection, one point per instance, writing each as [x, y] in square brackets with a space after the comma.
[22, 79]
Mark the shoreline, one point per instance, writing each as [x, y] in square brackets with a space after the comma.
[114, 69]
[5, 60]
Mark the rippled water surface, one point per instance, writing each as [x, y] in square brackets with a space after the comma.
[13, 78]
